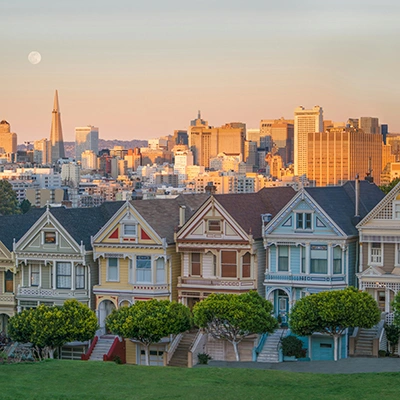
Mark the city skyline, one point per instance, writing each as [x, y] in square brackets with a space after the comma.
[139, 71]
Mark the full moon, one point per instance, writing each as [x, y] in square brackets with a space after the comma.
[34, 57]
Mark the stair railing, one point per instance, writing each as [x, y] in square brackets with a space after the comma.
[87, 355]
[258, 349]
[378, 338]
[173, 346]
[197, 347]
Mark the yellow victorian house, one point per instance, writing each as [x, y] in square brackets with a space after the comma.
[137, 257]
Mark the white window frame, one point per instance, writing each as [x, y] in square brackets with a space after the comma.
[396, 204]
[277, 259]
[303, 228]
[44, 237]
[373, 259]
[161, 272]
[67, 287]
[397, 255]
[124, 234]
[151, 269]
[113, 266]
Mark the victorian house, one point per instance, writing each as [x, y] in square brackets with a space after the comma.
[379, 262]
[312, 246]
[137, 258]
[222, 251]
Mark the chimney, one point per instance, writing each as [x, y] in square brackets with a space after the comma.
[182, 210]
[357, 199]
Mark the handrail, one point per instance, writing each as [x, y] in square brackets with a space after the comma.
[173, 345]
[117, 349]
[199, 340]
[258, 349]
[378, 337]
[286, 332]
[87, 355]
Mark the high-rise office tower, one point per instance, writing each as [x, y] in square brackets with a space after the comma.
[8, 140]
[56, 136]
[305, 122]
[86, 138]
[282, 132]
[42, 151]
[370, 125]
[338, 155]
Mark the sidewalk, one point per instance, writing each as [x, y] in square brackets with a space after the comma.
[345, 366]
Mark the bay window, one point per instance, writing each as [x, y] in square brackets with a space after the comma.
[143, 269]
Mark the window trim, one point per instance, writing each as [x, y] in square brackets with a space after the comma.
[243, 264]
[191, 264]
[327, 258]
[375, 263]
[37, 273]
[304, 221]
[214, 220]
[229, 264]
[395, 203]
[62, 275]
[55, 242]
[146, 269]
[124, 234]
[80, 275]
[278, 257]
[113, 266]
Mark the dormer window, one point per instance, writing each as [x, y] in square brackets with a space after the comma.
[304, 221]
[130, 230]
[214, 225]
[50, 237]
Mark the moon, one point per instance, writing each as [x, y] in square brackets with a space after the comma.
[34, 57]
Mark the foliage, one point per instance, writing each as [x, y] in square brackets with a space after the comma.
[233, 317]
[381, 353]
[65, 379]
[396, 309]
[203, 358]
[25, 206]
[149, 321]
[392, 336]
[8, 199]
[292, 346]
[50, 327]
[332, 312]
[387, 188]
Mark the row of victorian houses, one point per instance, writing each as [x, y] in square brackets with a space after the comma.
[282, 243]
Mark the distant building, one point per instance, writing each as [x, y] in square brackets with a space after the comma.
[56, 135]
[70, 174]
[42, 151]
[370, 125]
[86, 138]
[8, 140]
[88, 159]
[305, 122]
[338, 155]
[282, 132]
[133, 158]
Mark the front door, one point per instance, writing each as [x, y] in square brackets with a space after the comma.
[105, 309]
[283, 306]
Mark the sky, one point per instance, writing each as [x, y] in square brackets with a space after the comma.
[141, 69]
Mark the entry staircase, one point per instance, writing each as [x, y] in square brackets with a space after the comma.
[365, 342]
[270, 351]
[102, 347]
[180, 356]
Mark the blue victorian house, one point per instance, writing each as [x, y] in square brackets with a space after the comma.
[312, 246]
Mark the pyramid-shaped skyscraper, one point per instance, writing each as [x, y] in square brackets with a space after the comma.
[56, 136]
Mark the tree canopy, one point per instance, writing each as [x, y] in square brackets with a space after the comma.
[233, 317]
[387, 188]
[149, 321]
[332, 312]
[8, 199]
[50, 327]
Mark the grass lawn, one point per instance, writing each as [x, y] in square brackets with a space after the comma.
[57, 379]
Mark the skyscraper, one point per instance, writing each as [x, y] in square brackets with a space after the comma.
[56, 136]
[8, 140]
[370, 124]
[86, 138]
[305, 121]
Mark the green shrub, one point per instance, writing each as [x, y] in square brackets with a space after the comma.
[203, 358]
[292, 346]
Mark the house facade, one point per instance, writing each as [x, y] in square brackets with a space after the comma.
[312, 246]
[137, 259]
[379, 262]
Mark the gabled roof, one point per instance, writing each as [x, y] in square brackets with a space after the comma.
[246, 208]
[15, 226]
[163, 214]
[338, 202]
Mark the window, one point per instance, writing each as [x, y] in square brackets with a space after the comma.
[160, 267]
[130, 230]
[80, 277]
[319, 259]
[337, 260]
[63, 275]
[303, 221]
[50, 237]
[228, 264]
[112, 269]
[246, 265]
[376, 253]
[396, 210]
[214, 225]
[9, 279]
[283, 258]
[303, 259]
[214, 259]
[195, 264]
[35, 275]
[143, 269]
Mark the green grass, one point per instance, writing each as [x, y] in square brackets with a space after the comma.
[98, 380]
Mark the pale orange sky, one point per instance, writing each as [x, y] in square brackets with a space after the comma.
[139, 70]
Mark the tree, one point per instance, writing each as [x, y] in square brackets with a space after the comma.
[149, 321]
[396, 310]
[25, 206]
[233, 317]
[392, 335]
[387, 188]
[332, 312]
[8, 199]
[48, 328]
